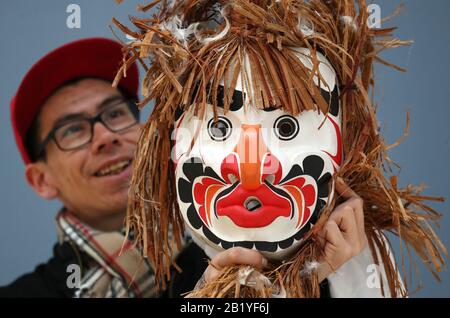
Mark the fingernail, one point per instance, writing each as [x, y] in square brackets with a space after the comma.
[264, 262]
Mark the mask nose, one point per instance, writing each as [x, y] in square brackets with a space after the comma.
[248, 163]
[251, 163]
[250, 150]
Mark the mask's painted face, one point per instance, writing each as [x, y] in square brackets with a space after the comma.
[257, 178]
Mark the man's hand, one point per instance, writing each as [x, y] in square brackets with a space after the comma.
[343, 236]
[234, 256]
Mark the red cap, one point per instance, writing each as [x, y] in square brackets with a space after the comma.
[94, 57]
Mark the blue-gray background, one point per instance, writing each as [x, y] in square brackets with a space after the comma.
[29, 29]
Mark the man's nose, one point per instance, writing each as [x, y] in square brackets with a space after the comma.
[103, 139]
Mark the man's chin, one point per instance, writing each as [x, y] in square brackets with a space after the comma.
[120, 200]
[111, 202]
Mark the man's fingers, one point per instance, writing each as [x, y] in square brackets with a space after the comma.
[211, 273]
[355, 202]
[234, 256]
[332, 234]
[344, 190]
[345, 219]
[239, 256]
[321, 239]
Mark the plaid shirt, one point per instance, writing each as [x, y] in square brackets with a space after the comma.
[115, 268]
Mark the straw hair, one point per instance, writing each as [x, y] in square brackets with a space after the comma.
[189, 46]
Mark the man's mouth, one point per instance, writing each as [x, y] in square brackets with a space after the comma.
[114, 168]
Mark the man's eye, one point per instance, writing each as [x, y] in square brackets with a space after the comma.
[70, 130]
[286, 128]
[115, 113]
[219, 130]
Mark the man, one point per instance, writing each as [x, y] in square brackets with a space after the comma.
[77, 136]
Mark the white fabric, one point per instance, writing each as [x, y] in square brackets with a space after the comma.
[359, 278]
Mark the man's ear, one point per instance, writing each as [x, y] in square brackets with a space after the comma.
[39, 179]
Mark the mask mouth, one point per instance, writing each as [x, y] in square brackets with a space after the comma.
[252, 204]
[253, 208]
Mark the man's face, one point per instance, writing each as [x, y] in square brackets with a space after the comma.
[258, 178]
[92, 181]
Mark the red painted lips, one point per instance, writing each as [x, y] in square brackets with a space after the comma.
[273, 207]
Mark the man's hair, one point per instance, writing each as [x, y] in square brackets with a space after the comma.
[32, 140]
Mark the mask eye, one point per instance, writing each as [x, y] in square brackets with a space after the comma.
[286, 128]
[219, 130]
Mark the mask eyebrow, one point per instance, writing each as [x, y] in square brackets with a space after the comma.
[332, 100]
[237, 100]
[271, 109]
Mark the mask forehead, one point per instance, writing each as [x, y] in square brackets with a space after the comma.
[327, 80]
[258, 178]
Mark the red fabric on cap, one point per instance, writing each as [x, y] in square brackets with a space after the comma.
[94, 57]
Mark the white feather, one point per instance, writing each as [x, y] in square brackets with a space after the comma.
[218, 36]
[349, 21]
[309, 268]
[305, 26]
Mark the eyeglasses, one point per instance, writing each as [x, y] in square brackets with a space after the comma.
[79, 132]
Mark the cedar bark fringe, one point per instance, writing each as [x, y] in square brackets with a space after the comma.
[184, 64]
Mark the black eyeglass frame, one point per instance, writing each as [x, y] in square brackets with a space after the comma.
[131, 103]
